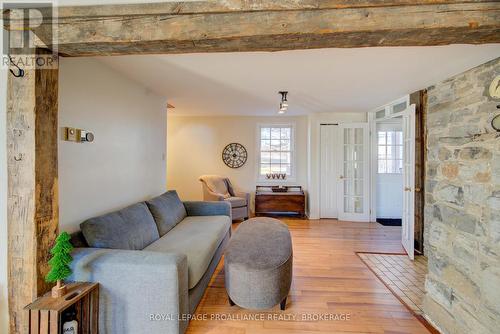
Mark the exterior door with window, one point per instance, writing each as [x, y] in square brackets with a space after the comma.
[408, 221]
[353, 199]
[388, 177]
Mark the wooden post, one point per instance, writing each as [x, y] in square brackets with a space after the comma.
[32, 200]
[419, 98]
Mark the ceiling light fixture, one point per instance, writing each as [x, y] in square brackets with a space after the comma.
[284, 102]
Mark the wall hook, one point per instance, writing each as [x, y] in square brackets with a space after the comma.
[20, 72]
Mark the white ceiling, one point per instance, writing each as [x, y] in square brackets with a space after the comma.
[323, 80]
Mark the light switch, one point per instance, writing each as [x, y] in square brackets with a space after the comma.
[78, 135]
[71, 134]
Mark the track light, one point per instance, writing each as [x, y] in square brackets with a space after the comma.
[284, 102]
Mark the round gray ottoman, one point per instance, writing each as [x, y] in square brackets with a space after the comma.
[258, 264]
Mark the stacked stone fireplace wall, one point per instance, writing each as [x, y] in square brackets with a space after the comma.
[462, 204]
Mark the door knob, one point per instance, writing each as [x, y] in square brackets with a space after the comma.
[407, 189]
[341, 177]
[417, 190]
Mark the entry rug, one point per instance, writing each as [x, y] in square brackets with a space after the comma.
[405, 278]
[389, 222]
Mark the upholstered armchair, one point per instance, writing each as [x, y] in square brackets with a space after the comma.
[218, 188]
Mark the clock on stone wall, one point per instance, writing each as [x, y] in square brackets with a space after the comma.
[495, 93]
[495, 88]
[234, 155]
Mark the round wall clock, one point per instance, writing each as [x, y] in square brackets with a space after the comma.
[234, 155]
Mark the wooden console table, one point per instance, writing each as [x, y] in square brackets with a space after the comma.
[268, 202]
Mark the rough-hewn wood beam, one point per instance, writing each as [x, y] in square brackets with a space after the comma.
[46, 170]
[32, 187]
[21, 197]
[230, 25]
[231, 6]
[184, 30]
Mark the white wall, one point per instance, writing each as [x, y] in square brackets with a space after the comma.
[126, 162]
[314, 121]
[195, 147]
[389, 192]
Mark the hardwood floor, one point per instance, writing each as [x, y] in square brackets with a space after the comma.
[328, 279]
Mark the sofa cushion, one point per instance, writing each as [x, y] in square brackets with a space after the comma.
[132, 228]
[198, 237]
[237, 202]
[167, 211]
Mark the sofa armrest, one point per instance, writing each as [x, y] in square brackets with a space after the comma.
[198, 208]
[140, 291]
[244, 195]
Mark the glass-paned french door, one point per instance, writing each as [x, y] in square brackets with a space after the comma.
[408, 221]
[354, 172]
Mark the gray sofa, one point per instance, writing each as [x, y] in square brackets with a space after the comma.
[153, 261]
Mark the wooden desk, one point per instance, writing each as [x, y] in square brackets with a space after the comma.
[268, 202]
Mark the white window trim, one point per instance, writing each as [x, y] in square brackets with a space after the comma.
[261, 179]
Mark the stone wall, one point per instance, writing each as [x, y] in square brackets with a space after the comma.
[462, 204]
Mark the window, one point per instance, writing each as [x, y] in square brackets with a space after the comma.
[276, 150]
[399, 107]
[392, 108]
[390, 152]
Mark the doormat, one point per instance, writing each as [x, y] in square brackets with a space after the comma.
[389, 221]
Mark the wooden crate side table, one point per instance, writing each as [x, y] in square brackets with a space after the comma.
[45, 313]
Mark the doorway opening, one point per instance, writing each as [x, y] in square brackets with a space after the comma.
[389, 173]
[393, 168]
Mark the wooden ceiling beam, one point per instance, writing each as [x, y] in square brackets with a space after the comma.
[235, 26]
[232, 6]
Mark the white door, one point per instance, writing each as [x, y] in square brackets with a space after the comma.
[408, 221]
[353, 201]
[329, 155]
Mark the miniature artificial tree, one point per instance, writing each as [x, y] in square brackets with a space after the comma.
[59, 264]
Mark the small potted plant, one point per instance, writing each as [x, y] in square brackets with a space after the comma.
[59, 264]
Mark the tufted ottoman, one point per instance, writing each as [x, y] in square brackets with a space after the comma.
[258, 264]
